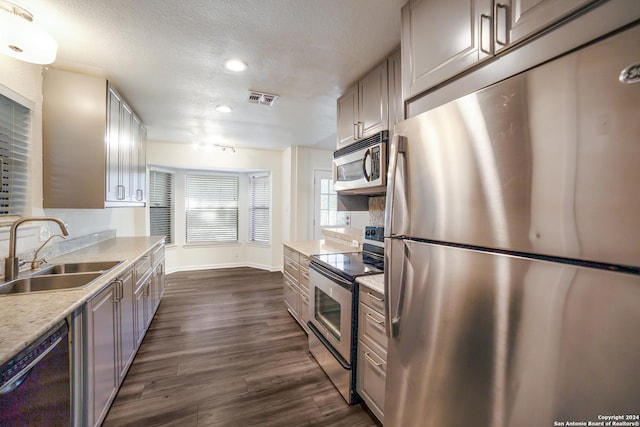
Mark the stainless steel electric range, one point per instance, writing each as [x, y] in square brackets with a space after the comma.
[333, 308]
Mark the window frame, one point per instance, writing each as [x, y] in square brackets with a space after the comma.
[170, 239]
[251, 208]
[190, 236]
[16, 178]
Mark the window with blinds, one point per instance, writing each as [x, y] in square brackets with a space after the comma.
[211, 208]
[15, 131]
[259, 209]
[161, 204]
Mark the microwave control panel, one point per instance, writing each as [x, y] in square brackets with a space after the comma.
[375, 163]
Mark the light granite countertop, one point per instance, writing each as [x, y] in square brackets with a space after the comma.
[319, 247]
[25, 317]
[373, 281]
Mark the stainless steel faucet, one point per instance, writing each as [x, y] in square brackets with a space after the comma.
[11, 263]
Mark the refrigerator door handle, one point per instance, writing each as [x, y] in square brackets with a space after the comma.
[392, 311]
[397, 148]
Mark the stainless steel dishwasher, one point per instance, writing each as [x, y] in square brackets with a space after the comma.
[35, 387]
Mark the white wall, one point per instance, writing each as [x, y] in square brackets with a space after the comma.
[301, 163]
[183, 157]
[22, 81]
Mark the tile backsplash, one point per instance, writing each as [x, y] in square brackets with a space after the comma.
[376, 210]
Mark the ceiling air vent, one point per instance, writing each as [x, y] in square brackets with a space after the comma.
[262, 98]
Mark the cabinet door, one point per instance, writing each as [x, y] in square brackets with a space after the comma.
[141, 165]
[441, 38]
[102, 369]
[396, 104]
[126, 308]
[347, 117]
[140, 314]
[113, 137]
[531, 16]
[125, 151]
[291, 296]
[373, 103]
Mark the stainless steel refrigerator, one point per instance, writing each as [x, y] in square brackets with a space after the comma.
[513, 249]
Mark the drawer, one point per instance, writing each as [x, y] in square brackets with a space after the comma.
[371, 329]
[304, 261]
[292, 268]
[143, 266]
[371, 379]
[290, 253]
[303, 282]
[372, 298]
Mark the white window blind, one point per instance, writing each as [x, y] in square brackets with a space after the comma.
[211, 208]
[15, 125]
[161, 204]
[259, 209]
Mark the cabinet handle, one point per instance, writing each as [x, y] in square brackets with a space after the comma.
[355, 131]
[139, 194]
[372, 296]
[120, 192]
[361, 131]
[373, 362]
[485, 19]
[502, 17]
[377, 323]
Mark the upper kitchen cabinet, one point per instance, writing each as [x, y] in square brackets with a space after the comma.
[94, 146]
[364, 108]
[520, 19]
[442, 38]
[396, 104]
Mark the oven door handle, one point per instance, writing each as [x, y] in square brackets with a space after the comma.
[328, 346]
[331, 275]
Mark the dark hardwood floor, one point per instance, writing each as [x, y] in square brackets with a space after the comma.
[223, 351]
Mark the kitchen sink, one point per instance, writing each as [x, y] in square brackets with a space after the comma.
[78, 267]
[48, 282]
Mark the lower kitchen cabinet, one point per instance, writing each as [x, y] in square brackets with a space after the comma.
[296, 285]
[114, 324]
[101, 375]
[372, 351]
[126, 322]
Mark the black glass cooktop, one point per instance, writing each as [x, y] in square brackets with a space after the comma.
[350, 265]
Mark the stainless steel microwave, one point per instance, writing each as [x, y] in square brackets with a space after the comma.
[361, 168]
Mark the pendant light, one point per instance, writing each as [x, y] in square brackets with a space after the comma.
[23, 39]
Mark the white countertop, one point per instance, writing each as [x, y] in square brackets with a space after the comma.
[25, 317]
[319, 247]
[373, 281]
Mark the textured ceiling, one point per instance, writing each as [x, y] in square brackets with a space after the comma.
[166, 58]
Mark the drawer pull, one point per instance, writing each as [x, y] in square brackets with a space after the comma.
[379, 322]
[372, 296]
[376, 364]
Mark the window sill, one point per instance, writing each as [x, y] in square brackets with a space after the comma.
[259, 245]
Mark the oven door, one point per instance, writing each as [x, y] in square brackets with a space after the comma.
[330, 309]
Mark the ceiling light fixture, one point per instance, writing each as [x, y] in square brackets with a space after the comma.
[235, 65]
[21, 38]
[224, 109]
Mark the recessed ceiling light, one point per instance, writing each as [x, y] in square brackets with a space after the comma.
[235, 65]
[223, 109]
